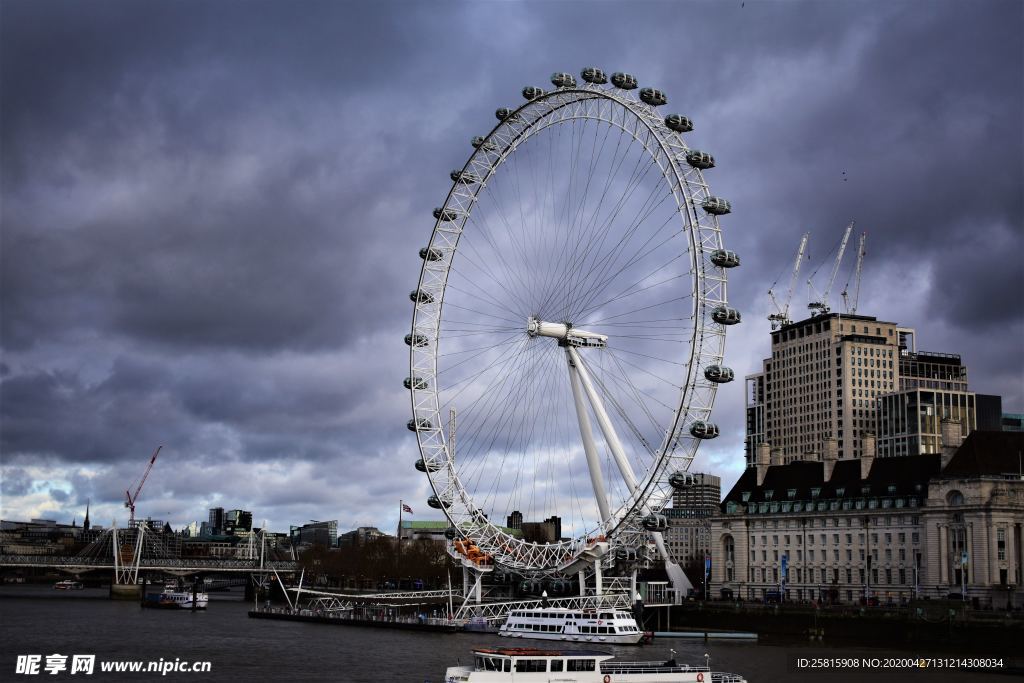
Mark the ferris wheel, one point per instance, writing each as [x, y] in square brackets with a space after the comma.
[571, 312]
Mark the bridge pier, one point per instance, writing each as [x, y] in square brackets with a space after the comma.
[125, 591]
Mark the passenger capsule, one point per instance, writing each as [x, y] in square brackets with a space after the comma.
[594, 75]
[479, 142]
[680, 480]
[431, 254]
[437, 503]
[464, 177]
[445, 214]
[719, 374]
[699, 159]
[418, 296]
[623, 80]
[725, 315]
[704, 430]
[451, 533]
[716, 206]
[415, 383]
[505, 114]
[563, 80]
[625, 554]
[653, 97]
[418, 424]
[416, 340]
[725, 258]
[679, 123]
[423, 466]
[655, 522]
[531, 92]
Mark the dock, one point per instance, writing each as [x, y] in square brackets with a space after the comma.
[309, 616]
[707, 635]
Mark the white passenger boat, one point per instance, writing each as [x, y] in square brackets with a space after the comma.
[613, 626]
[529, 665]
[176, 599]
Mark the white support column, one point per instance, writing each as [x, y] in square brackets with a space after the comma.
[598, 580]
[602, 420]
[589, 447]
[583, 583]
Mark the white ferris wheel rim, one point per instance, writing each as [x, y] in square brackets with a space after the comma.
[665, 149]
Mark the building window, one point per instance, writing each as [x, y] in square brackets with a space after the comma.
[1001, 543]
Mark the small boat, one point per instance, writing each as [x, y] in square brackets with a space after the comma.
[611, 626]
[68, 585]
[173, 599]
[526, 665]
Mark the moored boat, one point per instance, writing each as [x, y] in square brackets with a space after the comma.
[172, 599]
[68, 585]
[526, 665]
[612, 626]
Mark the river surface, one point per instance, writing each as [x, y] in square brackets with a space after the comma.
[39, 620]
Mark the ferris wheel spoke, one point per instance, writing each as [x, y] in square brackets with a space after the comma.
[504, 287]
[598, 288]
[607, 261]
[638, 174]
[594, 246]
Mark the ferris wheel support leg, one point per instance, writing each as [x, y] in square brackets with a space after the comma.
[597, 577]
[583, 583]
[589, 447]
[602, 420]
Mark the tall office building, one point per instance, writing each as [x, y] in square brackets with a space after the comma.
[215, 525]
[688, 536]
[706, 491]
[821, 382]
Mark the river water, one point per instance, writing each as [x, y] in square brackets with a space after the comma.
[39, 620]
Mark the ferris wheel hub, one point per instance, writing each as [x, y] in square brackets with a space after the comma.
[565, 333]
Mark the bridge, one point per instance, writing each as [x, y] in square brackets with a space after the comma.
[129, 551]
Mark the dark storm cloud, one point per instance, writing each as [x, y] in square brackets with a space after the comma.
[211, 211]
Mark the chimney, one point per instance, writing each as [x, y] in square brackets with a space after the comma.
[776, 457]
[867, 441]
[952, 437]
[830, 456]
[763, 455]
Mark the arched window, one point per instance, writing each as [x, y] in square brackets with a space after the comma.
[954, 498]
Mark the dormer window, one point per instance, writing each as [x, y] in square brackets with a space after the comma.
[768, 494]
[891, 488]
[745, 496]
[815, 492]
[791, 493]
[840, 491]
[865, 490]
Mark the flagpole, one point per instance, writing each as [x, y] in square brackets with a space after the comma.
[399, 535]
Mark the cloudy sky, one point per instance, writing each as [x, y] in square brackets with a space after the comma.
[211, 213]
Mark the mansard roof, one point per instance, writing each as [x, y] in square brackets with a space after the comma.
[908, 474]
[988, 453]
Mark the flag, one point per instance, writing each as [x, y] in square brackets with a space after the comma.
[406, 508]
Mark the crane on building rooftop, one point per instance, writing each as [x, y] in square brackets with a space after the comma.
[780, 317]
[850, 303]
[819, 305]
[132, 498]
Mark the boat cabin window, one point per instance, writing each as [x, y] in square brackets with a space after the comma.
[490, 664]
[580, 665]
[556, 664]
[524, 665]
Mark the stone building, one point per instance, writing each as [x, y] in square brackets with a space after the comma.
[889, 529]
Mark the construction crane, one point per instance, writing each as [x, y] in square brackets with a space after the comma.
[850, 305]
[781, 316]
[819, 305]
[130, 498]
